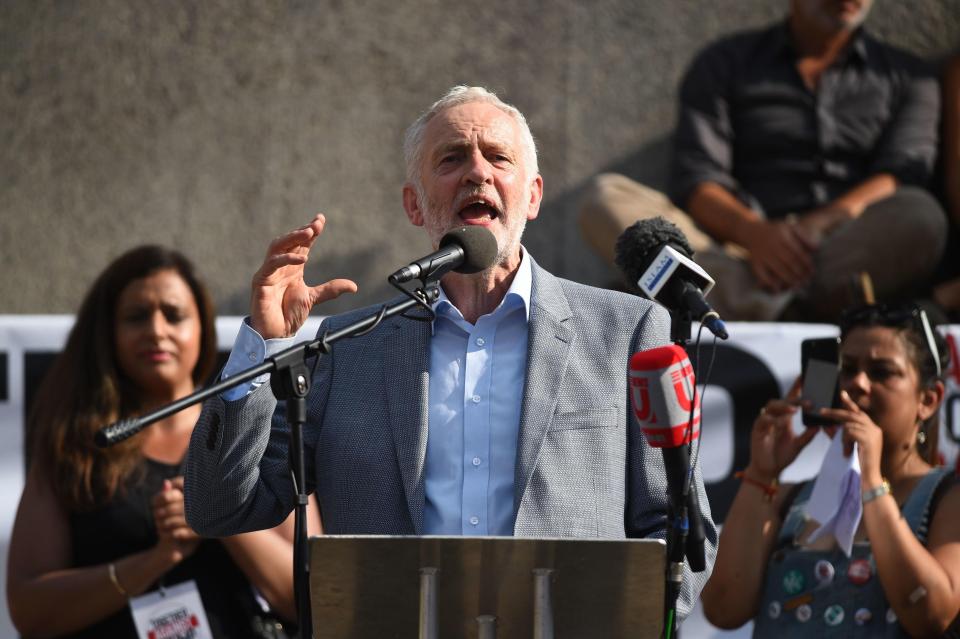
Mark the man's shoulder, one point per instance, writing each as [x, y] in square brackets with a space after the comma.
[601, 304]
[743, 43]
[897, 58]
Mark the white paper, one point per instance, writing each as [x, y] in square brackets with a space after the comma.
[836, 502]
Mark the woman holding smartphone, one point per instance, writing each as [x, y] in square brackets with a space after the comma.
[901, 576]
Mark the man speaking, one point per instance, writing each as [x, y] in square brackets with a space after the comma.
[505, 415]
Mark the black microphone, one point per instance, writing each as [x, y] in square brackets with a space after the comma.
[656, 257]
[468, 249]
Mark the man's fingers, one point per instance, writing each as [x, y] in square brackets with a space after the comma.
[807, 239]
[765, 278]
[274, 263]
[332, 290]
[299, 239]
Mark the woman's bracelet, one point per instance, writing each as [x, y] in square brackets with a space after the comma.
[112, 572]
[878, 491]
[769, 490]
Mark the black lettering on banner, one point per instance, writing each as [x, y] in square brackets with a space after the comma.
[4, 377]
[952, 427]
[35, 366]
[750, 383]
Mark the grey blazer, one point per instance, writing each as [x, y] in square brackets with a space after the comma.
[583, 468]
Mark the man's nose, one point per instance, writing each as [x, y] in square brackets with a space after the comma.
[478, 170]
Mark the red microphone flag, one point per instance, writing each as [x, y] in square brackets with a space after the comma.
[662, 387]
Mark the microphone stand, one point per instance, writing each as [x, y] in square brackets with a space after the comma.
[685, 536]
[290, 381]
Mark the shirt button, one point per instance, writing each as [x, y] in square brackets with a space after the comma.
[481, 341]
[252, 356]
[474, 520]
[475, 399]
[476, 461]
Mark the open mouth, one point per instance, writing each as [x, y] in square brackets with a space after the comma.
[479, 212]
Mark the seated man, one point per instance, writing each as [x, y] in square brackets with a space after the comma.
[801, 153]
[505, 415]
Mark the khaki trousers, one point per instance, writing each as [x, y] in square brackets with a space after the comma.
[897, 241]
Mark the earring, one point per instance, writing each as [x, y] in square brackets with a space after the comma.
[921, 437]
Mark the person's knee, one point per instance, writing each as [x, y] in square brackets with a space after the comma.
[600, 191]
[919, 220]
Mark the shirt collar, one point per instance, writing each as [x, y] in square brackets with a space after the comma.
[518, 295]
[857, 47]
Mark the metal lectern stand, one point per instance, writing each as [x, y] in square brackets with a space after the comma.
[485, 587]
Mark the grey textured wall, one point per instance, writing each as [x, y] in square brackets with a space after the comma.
[214, 125]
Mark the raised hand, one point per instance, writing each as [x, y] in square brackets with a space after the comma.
[859, 428]
[773, 444]
[280, 299]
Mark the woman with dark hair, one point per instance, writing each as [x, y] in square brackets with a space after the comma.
[96, 527]
[900, 575]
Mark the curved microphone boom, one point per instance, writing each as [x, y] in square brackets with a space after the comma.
[655, 256]
[467, 249]
[667, 409]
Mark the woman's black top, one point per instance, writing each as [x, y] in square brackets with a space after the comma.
[125, 526]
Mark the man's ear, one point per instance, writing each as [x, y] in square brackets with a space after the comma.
[536, 196]
[411, 204]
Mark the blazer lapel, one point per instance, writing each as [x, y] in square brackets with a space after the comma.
[548, 350]
[407, 360]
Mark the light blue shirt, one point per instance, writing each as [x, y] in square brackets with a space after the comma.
[477, 375]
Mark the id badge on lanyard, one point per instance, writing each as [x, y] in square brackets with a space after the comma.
[171, 613]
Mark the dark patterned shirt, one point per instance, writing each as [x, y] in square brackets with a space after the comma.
[748, 122]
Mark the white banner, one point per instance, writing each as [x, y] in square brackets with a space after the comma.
[759, 361]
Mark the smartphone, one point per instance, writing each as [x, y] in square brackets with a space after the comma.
[820, 370]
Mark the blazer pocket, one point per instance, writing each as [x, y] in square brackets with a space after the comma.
[586, 419]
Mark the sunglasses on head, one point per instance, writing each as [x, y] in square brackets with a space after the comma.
[894, 316]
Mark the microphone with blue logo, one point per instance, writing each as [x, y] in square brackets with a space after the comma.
[656, 257]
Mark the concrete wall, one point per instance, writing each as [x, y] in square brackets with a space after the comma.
[215, 125]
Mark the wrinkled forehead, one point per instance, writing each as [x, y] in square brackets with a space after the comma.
[473, 122]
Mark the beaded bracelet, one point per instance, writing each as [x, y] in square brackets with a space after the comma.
[769, 490]
[112, 572]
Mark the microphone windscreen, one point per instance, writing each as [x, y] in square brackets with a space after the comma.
[478, 244]
[639, 244]
[662, 390]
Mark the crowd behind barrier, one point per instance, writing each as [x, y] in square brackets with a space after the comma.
[759, 361]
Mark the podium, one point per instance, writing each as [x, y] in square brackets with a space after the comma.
[485, 587]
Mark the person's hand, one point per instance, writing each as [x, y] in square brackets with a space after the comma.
[816, 224]
[859, 428]
[280, 300]
[780, 254]
[773, 444]
[173, 533]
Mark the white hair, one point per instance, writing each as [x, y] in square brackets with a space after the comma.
[413, 139]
